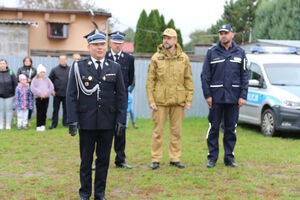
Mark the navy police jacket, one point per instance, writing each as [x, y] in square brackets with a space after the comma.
[127, 65]
[225, 75]
[90, 111]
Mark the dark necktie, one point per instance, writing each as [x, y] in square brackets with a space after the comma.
[117, 57]
[99, 68]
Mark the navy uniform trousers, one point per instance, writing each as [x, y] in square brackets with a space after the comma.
[119, 146]
[127, 65]
[230, 112]
[88, 141]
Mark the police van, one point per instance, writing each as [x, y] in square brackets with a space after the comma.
[273, 100]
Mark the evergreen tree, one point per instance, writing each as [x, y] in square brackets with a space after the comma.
[153, 25]
[149, 29]
[179, 38]
[129, 35]
[278, 19]
[162, 23]
[171, 24]
[240, 14]
[197, 38]
[141, 34]
[161, 26]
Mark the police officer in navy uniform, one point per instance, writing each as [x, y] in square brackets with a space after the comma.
[127, 65]
[96, 105]
[225, 85]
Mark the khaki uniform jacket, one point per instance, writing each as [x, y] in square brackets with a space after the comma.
[169, 81]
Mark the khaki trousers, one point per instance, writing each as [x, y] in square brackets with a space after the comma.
[159, 117]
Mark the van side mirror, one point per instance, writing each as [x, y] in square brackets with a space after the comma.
[254, 83]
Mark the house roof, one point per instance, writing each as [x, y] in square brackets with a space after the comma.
[4, 21]
[291, 43]
[86, 12]
[128, 47]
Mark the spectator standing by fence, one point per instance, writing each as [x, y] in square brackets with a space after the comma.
[59, 77]
[22, 101]
[30, 72]
[8, 83]
[41, 87]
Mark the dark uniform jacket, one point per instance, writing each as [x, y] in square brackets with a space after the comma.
[127, 64]
[91, 112]
[8, 83]
[59, 76]
[225, 76]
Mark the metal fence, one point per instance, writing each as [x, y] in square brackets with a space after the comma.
[199, 106]
[140, 103]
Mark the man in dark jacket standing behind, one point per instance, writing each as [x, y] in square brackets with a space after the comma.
[59, 77]
[126, 62]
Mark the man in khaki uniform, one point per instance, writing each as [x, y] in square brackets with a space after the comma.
[169, 89]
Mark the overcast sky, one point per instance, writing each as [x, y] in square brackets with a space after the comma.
[188, 15]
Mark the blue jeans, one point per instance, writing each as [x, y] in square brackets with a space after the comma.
[6, 110]
[132, 116]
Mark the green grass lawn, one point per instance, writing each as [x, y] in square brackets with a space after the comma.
[45, 165]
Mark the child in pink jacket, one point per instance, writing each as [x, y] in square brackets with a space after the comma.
[22, 101]
[41, 87]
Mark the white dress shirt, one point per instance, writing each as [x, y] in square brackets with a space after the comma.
[96, 64]
[113, 53]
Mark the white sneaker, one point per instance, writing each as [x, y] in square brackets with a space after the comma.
[43, 128]
[38, 128]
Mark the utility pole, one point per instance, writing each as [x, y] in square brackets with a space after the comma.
[250, 35]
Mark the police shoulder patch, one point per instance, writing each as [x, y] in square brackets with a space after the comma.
[237, 59]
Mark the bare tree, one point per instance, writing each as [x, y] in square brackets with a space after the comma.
[59, 4]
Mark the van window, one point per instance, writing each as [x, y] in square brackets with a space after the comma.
[284, 74]
[256, 74]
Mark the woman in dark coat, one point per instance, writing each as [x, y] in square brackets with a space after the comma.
[8, 84]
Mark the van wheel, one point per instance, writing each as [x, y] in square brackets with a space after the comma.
[268, 123]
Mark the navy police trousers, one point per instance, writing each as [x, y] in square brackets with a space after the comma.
[230, 112]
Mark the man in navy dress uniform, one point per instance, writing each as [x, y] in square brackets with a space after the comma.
[96, 105]
[225, 85]
[127, 65]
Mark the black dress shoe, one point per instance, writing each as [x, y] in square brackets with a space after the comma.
[231, 164]
[154, 165]
[99, 198]
[211, 164]
[52, 127]
[177, 164]
[124, 165]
